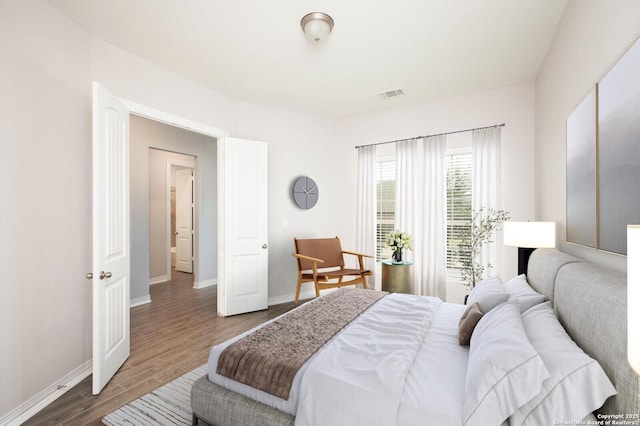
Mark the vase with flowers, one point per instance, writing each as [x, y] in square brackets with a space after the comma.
[398, 241]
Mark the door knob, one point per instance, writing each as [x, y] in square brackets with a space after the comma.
[104, 275]
[264, 246]
[89, 276]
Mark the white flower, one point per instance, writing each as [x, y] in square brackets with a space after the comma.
[399, 240]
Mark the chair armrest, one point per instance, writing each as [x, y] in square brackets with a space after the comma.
[315, 261]
[302, 256]
[356, 254]
[360, 257]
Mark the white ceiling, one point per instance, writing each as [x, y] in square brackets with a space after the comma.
[254, 50]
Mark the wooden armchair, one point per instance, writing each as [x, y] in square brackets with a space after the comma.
[321, 261]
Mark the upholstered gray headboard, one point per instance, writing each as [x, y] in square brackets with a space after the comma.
[591, 304]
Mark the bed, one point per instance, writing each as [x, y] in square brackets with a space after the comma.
[415, 371]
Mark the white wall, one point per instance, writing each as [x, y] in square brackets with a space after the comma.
[592, 36]
[146, 134]
[47, 64]
[511, 105]
[148, 212]
[45, 188]
[300, 144]
[325, 150]
[135, 79]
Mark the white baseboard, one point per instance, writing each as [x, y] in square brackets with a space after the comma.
[37, 403]
[158, 280]
[140, 301]
[205, 283]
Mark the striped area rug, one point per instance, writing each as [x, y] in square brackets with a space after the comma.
[167, 405]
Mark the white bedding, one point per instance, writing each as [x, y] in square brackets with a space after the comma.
[399, 363]
[400, 359]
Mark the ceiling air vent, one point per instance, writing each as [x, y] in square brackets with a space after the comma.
[391, 93]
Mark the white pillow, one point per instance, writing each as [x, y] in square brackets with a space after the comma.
[504, 371]
[577, 386]
[520, 290]
[489, 294]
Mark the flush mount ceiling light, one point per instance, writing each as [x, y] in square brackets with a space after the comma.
[316, 26]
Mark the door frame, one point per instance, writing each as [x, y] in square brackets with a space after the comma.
[186, 124]
[173, 120]
[192, 166]
[163, 117]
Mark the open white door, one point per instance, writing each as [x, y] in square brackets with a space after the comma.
[111, 251]
[184, 220]
[243, 256]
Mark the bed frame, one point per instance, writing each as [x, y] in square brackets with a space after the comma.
[591, 303]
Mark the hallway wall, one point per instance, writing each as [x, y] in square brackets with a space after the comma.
[148, 208]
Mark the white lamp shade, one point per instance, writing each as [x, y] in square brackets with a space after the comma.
[316, 30]
[633, 296]
[530, 234]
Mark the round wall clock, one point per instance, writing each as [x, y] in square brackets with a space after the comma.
[305, 192]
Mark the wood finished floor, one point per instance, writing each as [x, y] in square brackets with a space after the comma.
[169, 337]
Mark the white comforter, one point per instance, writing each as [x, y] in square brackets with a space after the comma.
[399, 363]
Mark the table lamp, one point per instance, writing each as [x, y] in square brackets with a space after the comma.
[528, 236]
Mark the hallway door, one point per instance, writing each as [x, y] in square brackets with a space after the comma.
[111, 245]
[184, 220]
[243, 256]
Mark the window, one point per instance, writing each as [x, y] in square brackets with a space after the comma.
[458, 207]
[385, 205]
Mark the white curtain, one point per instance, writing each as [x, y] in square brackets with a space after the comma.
[431, 256]
[486, 186]
[406, 188]
[366, 207]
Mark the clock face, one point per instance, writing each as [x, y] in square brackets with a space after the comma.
[305, 192]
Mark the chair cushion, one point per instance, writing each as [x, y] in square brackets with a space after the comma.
[343, 272]
[327, 275]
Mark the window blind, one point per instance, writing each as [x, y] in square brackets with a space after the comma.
[385, 209]
[458, 207]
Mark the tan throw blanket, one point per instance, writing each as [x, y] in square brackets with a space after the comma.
[270, 357]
